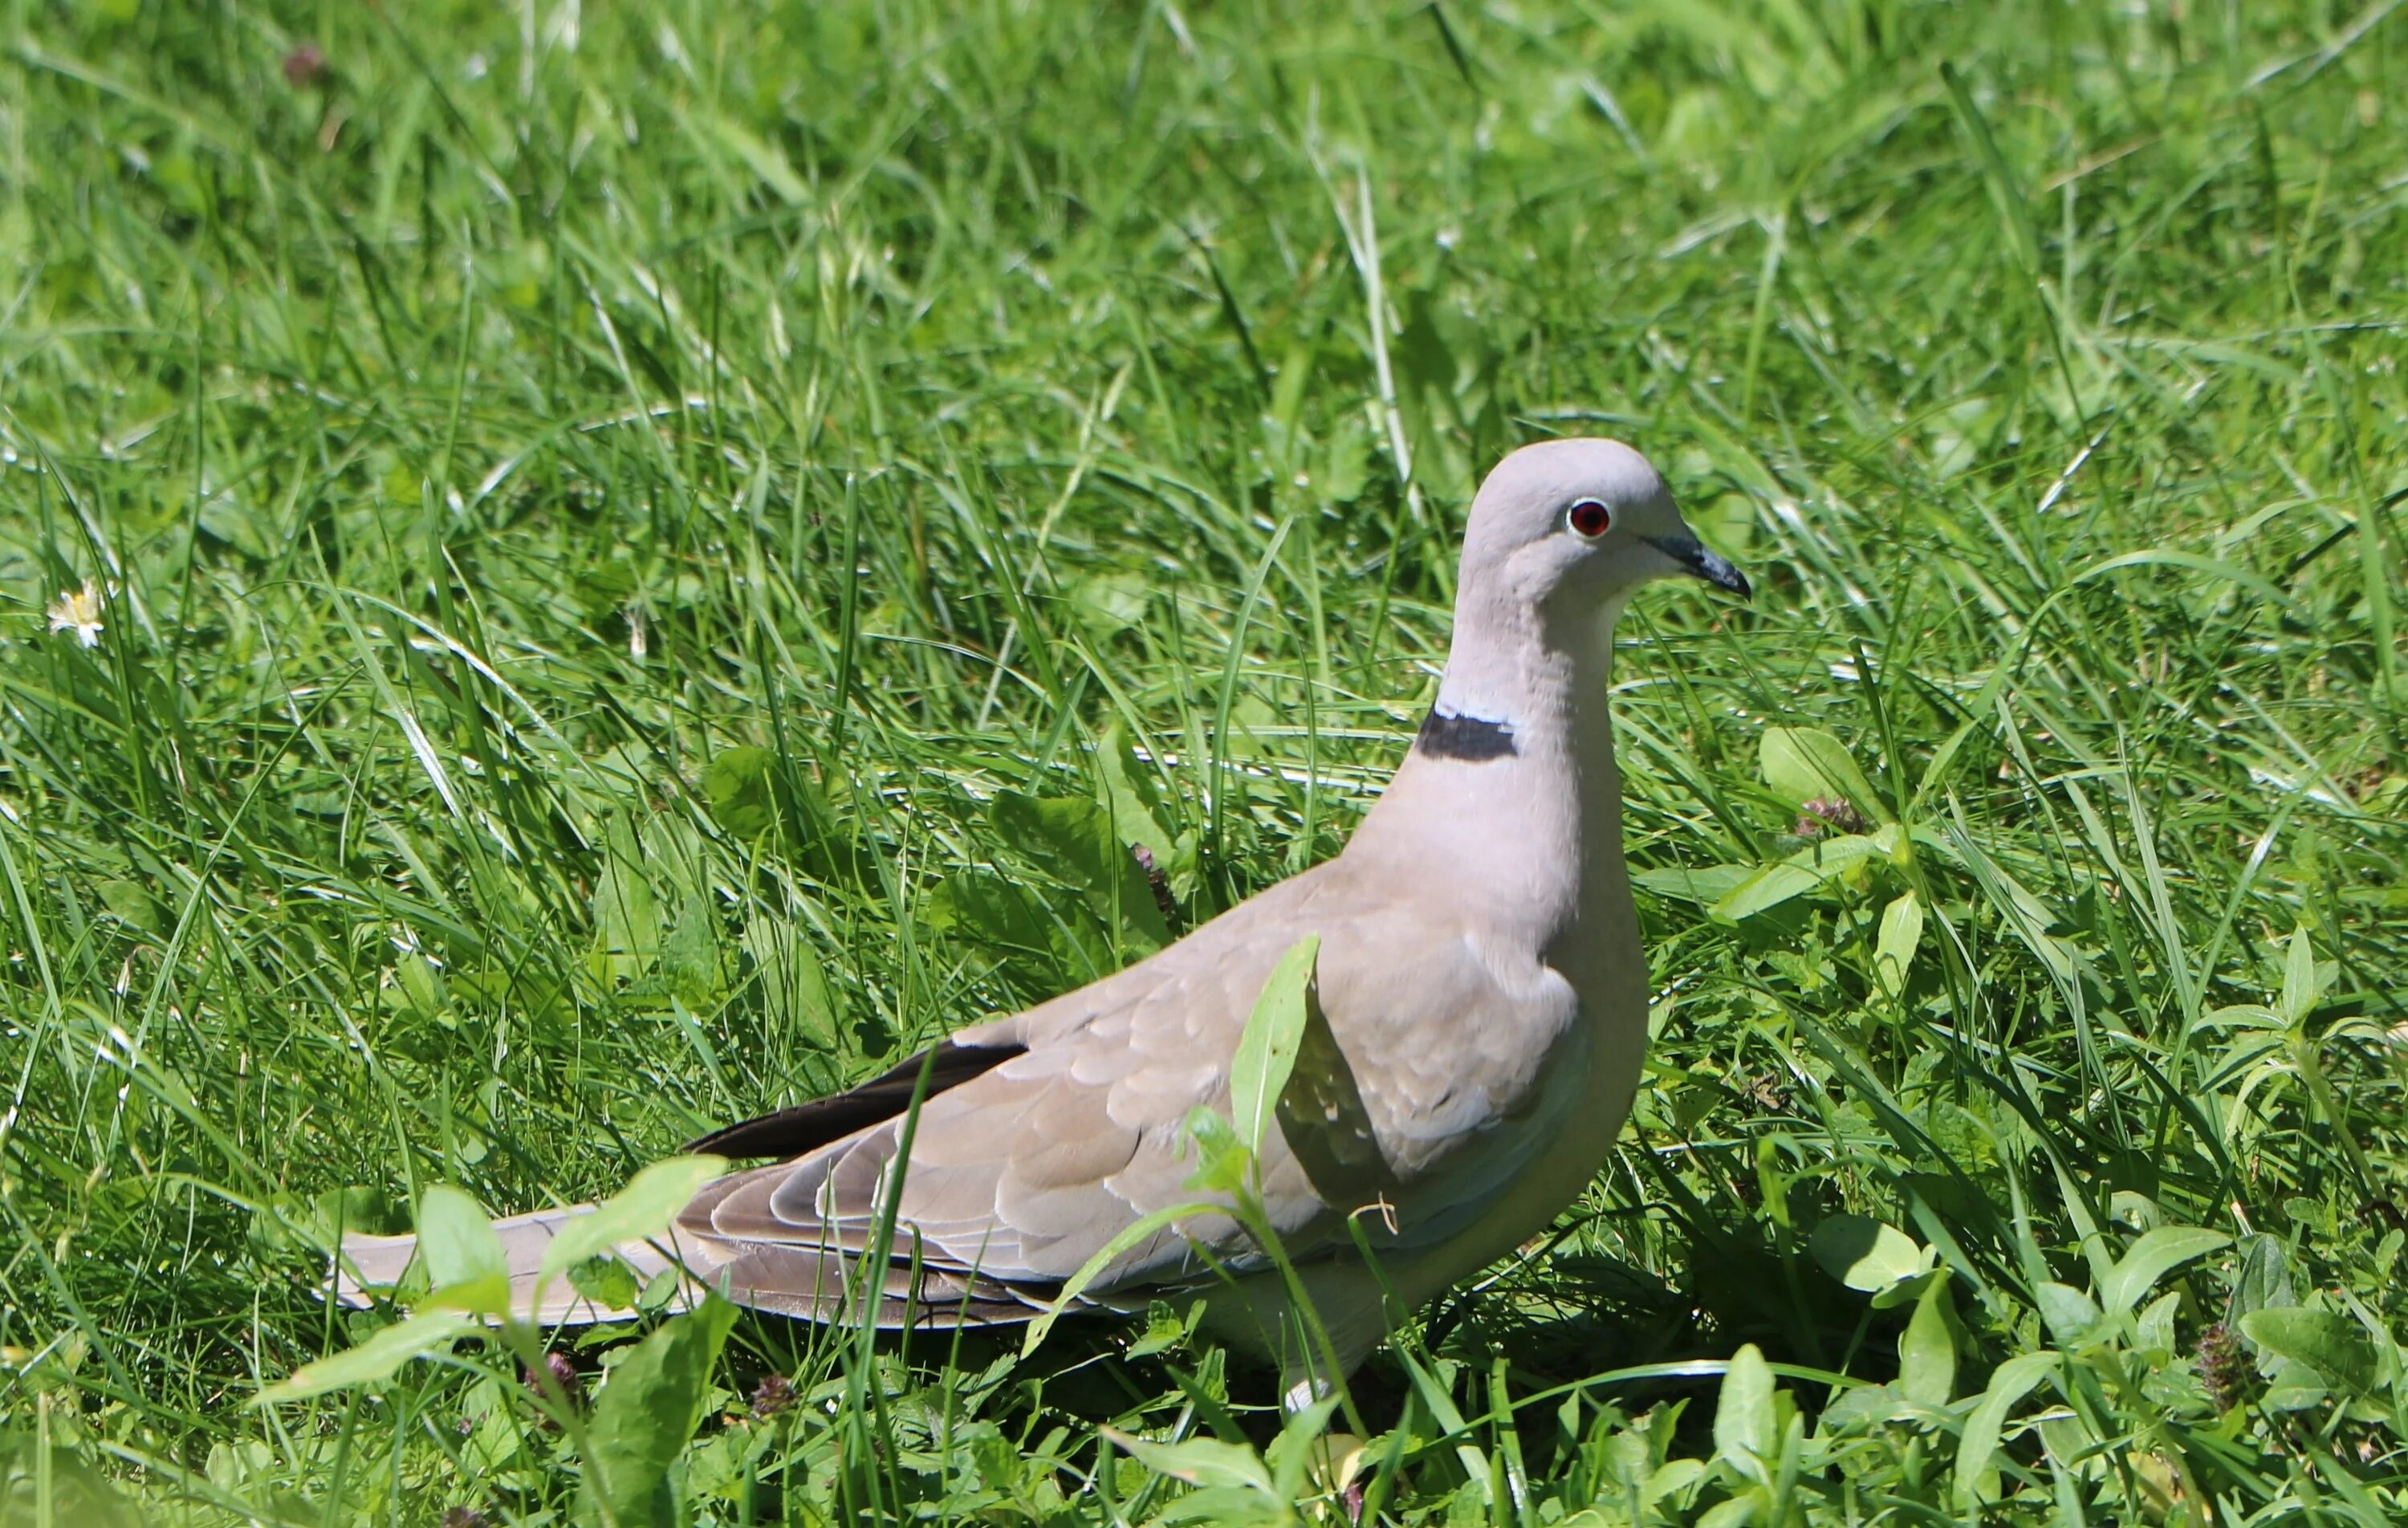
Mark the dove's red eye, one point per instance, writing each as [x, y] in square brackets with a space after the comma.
[1590, 519]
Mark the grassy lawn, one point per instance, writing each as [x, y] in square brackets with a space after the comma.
[605, 524]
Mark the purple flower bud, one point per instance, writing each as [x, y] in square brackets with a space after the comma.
[564, 1374]
[773, 1395]
[1828, 812]
[1156, 883]
[2223, 1366]
[305, 66]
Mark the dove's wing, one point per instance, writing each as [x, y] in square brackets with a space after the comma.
[1424, 1083]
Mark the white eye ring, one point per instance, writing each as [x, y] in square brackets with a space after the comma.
[1588, 518]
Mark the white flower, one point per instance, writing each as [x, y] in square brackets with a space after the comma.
[78, 610]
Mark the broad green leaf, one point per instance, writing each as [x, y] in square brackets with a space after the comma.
[639, 1210]
[989, 910]
[740, 787]
[1138, 815]
[1131, 796]
[1865, 1254]
[647, 1412]
[1800, 872]
[2154, 1328]
[659, 1291]
[1267, 1049]
[132, 903]
[466, 1269]
[1345, 468]
[79, 1496]
[1927, 1354]
[494, 1424]
[1445, 369]
[1908, 1289]
[1075, 840]
[376, 1358]
[2151, 1258]
[417, 980]
[1807, 764]
[1222, 1160]
[1704, 885]
[1902, 930]
[357, 1209]
[608, 1281]
[2292, 1387]
[1225, 1507]
[626, 915]
[793, 988]
[1766, 889]
[691, 957]
[755, 798]
[2333, 1347]
[2069, 1314]
[2302, 985]
[1200, 1460]
[1752, 1505]
[1069, 836]
[1109, 603]
[1165, 1328]
[1294, 1451]
[1746, 1433]
[1673, 1477]
[2263, 1278]
[2009, 1382]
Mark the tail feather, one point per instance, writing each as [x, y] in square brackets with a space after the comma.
[368, 1266]
[807, 1281]
[733, 1238]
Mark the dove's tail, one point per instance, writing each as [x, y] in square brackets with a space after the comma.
[808, 1282]
[368, 1266]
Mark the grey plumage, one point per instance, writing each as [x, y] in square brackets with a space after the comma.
[1482, 1011]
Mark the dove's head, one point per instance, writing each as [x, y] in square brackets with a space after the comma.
[1572, 525]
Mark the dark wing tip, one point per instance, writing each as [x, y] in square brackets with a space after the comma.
[806, 1127]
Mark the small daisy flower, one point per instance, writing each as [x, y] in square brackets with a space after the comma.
[78, 610]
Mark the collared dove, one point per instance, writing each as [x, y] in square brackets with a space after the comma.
[1482, 1013]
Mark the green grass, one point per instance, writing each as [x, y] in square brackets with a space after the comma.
[476, 442]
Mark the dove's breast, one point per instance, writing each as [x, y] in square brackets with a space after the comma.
[1582, 1069]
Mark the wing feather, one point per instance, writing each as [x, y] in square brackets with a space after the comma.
[1061, 1126]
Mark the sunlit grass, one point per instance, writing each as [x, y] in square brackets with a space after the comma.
[475, 425]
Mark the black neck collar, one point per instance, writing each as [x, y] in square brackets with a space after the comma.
[1469, 738]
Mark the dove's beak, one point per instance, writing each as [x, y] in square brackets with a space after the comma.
[1692, 555]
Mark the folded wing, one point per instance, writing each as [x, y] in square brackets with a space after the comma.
[1048, 1135]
